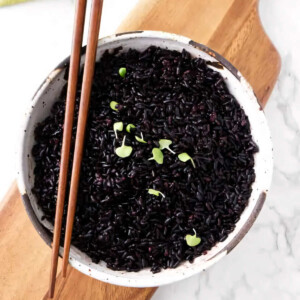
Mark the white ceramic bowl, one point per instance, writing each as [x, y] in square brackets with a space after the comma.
[48, 93]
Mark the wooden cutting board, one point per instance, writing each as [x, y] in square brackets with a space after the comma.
[230, 27]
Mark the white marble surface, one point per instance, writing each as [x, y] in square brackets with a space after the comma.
[266, 264]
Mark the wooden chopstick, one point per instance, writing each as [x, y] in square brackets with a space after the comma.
[67, 136]
[88, 75]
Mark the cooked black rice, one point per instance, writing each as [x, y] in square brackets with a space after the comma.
[169, 95]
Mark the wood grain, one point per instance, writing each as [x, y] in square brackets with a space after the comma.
[241, 39]
[195, 19]
[24, 257]
[230, 27]
[78, 286]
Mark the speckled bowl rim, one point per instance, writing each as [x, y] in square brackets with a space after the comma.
[179, 273]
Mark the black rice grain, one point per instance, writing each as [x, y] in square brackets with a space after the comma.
[166, 95]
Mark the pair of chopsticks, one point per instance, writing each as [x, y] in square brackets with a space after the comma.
[88, 74]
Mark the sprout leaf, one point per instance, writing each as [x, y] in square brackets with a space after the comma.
[113, 105]
[118, 126]
[185, 157]
[155, 192]
[124, 151]
[165, 144]
[157, 155]
[192, 240]
[122, 72]
[140, 139]
[129, 127]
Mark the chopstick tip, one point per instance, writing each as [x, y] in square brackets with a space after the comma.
[64, 273]
[50, 293]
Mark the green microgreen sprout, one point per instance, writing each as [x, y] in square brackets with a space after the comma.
[124, 151]
[185, 157]
[118, 126]
[122, 72]
[155, 193]
[192, 240]
[113, 105]
[157, 155]
[129, 127]
[165, 144]
[140, 139]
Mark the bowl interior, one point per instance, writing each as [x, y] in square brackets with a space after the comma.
[48, 94]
